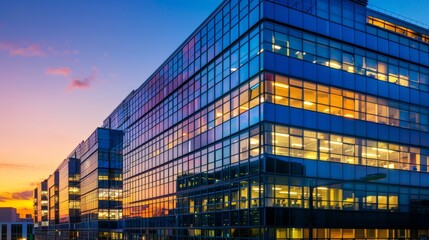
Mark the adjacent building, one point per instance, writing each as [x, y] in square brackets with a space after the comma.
[69, 198]
[14, 228]
[41, 204]
[277, 119]
[85, 192]
[53, 204]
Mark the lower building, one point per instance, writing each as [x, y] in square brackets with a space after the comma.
[83, 198]
[69, 198]
[14, 228]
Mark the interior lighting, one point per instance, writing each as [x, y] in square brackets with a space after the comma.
[282, 85]
[308, 103]
[383, 150]
[333, 65]
[254, 141]
[281, 134]
[325, 148]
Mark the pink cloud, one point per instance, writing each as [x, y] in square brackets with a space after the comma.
[63, 71]
[83, 83]
[30, 50]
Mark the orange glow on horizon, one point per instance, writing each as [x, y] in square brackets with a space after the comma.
[23, 207]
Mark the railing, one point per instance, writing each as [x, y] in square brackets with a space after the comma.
[395, 15]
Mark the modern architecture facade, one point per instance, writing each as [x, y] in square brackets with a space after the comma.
[85, 192]
[53, 204]
[41, 208]
[278, 119]
[69, 198]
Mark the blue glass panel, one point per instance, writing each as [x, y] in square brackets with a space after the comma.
[349, 126]
[348, 80]
[323, 74]
[404, 94]
[310, 70]
[361, 128]
[383, 132]
[404, 52]
[268, 60]
[310, 22]
[295, 18]
[268, 8]
[282, 64]
[404, 177]
[404, 135]
[348, 35]
[336, 124]
[254, 115]
[360, 38]
[394, 49]
[383, 88]
[296, 67]
[269, 112]
[281, 14]
[335, 30]
[296, 116]
[371, 130]
[335, 76]
[310, 119]
[323, 122]
[311, 168]
[282, 114]
[424, 58]
[323, 169]
[383, 45]
[322, 26]
[371, 41]
[336, 171]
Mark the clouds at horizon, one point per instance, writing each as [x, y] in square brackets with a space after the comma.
[23, 195]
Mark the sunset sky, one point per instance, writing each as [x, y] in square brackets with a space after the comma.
[65, 65]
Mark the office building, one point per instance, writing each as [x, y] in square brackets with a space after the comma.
[53, 205]
[100, 185]
[41, 222]
[281, 119]
[85, 192]
[69, 198]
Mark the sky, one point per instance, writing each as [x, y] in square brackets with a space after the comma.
[65, 65]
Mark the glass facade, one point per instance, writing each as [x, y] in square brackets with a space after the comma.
[100, 185]
[69, 198]
[275, 119]
[86, 191]
[275, 128]
[16, 230]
